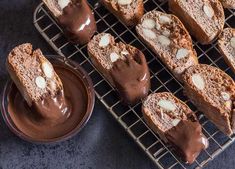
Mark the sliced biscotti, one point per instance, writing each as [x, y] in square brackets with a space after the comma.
[32, 73]
[124, 66]
[212, 91]
[228, 3]
[203, 18]
[226, 44]
[169, 40]
[128, 11]
[175, 123]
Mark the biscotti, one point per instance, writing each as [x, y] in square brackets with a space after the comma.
[128, 11]
[32, 73]
[75, 17]
[169, 40]
[226, 44]
[203, 18]
[228, 3]
[175, 123]
[124, 66]
[212, 91]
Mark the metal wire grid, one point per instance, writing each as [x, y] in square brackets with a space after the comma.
[161, 79]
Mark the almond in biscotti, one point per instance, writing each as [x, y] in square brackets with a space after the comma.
[175, 123]
[212, 91]
[160, 32]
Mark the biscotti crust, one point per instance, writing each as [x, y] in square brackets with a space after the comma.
[125, 17]
[218, 108]
[225, 47]
[192, 25]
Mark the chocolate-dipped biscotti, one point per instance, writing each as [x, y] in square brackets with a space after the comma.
[175, 123]
[212, 91]
[128, 11]
[228, 3]
[75, 17]
[124, 66]
[169, 40]
[203, 18]
[37, 81]
[226, 44]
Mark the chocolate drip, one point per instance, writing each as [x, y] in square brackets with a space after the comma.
[54, 108]
[131, 77]
[187, 139]
[78, 22]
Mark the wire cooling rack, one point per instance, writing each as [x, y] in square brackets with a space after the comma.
[131, 118]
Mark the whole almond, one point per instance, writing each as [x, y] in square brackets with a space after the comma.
[63, 3]
[47, 69]
[182, 53]
[114, 57]
[149, 34]
[232, 42]
[198, 81]
[40, 82]
[165, 41]
[167, 105]
[124, 2]
[208, 11]
[104, 41]
[148, 23]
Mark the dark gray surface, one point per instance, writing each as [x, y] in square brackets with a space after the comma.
[102, 144]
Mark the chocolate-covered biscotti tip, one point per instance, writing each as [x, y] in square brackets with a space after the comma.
[75, 17]
[124, 66]
[175, 123]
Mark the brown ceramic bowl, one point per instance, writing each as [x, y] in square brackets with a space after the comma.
[10, 91]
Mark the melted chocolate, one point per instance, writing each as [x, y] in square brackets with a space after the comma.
[78, 22]
[187, 139]
[131, 78]
[35, 125]
[56, 108]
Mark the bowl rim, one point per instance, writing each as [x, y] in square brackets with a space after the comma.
[86, 80]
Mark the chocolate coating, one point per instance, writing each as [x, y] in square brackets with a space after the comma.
[54, 108]
[187, 139]
[78, 22]
[36, 127]
[131, 78]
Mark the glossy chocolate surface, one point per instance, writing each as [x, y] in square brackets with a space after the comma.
[131, 78]
[79, 102]
[187, 139]
[78, 22]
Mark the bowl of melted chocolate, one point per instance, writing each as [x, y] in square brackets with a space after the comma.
[48, 126]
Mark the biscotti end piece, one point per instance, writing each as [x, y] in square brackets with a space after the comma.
[169, 40]
[56, 6]
[203, 18]
[175, 123]
[124, 66]
[128, 11]
[212, 91]
[226, 44]
[228, 3]
[32, 73]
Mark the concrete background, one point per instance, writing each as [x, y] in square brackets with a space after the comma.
[102, 144]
